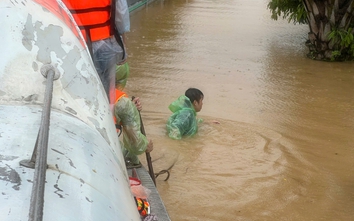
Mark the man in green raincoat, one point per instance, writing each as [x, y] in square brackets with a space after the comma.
[183, 121]
[126, 112]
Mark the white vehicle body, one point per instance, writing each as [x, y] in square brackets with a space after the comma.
[86, 178]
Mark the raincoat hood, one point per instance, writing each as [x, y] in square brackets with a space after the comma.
[182, 102]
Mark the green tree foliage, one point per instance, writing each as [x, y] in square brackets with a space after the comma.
[330, 22]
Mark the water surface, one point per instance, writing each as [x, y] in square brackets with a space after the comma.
[284, 147]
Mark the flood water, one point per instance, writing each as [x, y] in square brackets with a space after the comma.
[284, 148]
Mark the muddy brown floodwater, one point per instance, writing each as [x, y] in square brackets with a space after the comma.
[284, 148]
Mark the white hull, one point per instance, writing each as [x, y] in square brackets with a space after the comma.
[86, 177]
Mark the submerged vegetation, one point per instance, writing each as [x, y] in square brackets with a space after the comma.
[331, 25]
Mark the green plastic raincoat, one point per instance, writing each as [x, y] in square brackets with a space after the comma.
[134, 142]
[183, 121]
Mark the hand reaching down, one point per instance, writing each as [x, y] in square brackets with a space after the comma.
[149, 147]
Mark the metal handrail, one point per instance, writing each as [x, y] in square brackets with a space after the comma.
[37, 197]
[38, 160]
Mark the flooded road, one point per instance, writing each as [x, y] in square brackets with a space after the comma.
[284, 148]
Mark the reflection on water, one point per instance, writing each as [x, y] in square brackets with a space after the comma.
[284, 147]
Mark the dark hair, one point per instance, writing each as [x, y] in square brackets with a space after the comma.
[194, 94]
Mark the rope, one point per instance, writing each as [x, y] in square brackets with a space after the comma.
[166, 171]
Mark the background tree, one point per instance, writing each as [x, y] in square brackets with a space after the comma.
[330, 22]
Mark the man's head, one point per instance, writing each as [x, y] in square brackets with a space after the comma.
[196, 97]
